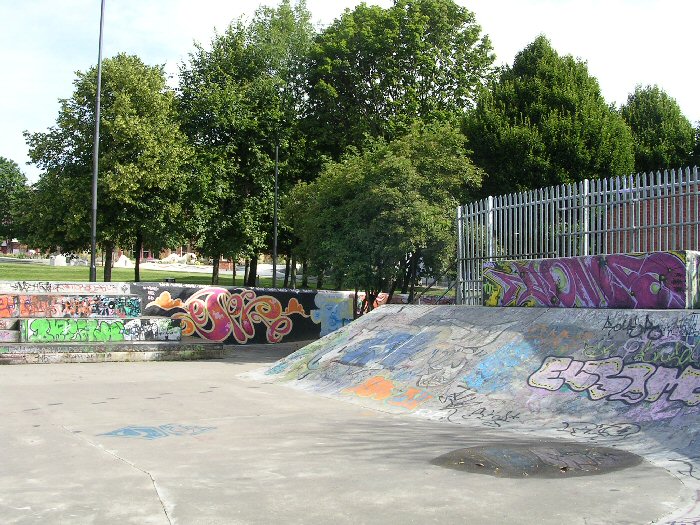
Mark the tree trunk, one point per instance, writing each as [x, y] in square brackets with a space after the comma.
[252, 271]
[107, 261]
[319, 281]
[245, 271]
[293, 276]
[338, 282]
[286, 272]
[413, 270]
[233, 270]
[215, 270]
[305, 276]
[355, 313]
[370, 298]
[392, 289]
[404, 274]
[137, 249]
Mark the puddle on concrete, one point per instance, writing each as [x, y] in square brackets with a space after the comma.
[545, 459]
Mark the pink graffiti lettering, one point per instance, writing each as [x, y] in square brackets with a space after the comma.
[217, 314]
[613, 380]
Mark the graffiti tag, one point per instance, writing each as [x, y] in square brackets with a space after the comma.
[596, 431]
[635, 328]
[612, 379]
[466, 403]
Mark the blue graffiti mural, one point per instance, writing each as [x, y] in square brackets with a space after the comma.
[334, 311]
[161, 431]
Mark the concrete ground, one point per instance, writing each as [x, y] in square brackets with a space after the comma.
[192, 443]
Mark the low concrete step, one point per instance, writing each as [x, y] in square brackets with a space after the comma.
[9, 336]
[110, 353]
[9, 324]
[96, 330]
[83, 348]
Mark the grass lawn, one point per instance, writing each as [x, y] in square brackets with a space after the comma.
[43, 272]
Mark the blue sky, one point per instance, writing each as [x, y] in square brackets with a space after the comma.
[43, 43]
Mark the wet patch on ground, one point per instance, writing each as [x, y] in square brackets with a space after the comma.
[546, 459]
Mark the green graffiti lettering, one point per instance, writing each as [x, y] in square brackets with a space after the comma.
[38, 331]
[116, 331]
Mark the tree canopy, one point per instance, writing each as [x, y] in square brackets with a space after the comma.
[663, 136]
[382, 213]
[375, 71]
[238, 100]
[544, 122]
[13, 195]
[141, 153]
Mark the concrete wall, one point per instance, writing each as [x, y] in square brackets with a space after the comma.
[658, 280]
[40, 305]
[64, 288]
[223, 314]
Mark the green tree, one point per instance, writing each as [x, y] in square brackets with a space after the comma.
[377, 216]
[663, 137]
[375, 71]
[141, 154]
[13, 196]
[544, 122]
[239, 99]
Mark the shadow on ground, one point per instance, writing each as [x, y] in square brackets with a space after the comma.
[260, 353]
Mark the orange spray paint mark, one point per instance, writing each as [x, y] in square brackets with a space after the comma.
[410, 399]
[377, 387]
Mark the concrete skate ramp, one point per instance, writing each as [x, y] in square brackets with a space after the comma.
[628, 379]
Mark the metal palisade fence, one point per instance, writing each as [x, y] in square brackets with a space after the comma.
[638, 213]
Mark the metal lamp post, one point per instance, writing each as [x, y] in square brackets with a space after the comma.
[95, 154]
[274, 217]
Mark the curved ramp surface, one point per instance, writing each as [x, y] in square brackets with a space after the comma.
[614, 378]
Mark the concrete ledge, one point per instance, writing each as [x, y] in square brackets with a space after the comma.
[64, 288]
[180, 353]
[126, 346]
[9, 336]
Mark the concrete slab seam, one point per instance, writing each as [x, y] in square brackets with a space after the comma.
[132, 465]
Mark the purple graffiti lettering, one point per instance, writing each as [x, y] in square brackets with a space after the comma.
[653, 280]
[613, 380]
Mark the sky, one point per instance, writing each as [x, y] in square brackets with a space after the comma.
[44, 42]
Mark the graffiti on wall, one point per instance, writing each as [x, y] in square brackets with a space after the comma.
[651, 280]
[333, 311]
[218, 314]
[69, 306]
[64, 288]
[48, 330]
[614, 380]
[247, 315]
[625, 357]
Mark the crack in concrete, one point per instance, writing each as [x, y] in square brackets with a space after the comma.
[126, 461]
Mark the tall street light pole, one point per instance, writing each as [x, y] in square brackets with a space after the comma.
[95, 154]
[274, 217]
